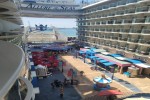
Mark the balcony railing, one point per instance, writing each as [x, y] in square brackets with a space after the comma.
[110, 22]
[118, 22]
[111, 14]
[116, 30]
[108, 30]
[142, 20]
[127, 11]
[135, 31]
[142, 9]
[132, 1]
[144, 41]
[132, 40]
[120, 13]
[128, 21]
[122, 3]
[104, 22]
[125, 30]
[123, 38]
[146, 31]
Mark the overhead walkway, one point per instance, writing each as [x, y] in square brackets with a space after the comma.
[49, 9]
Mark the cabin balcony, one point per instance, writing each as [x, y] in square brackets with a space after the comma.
[142, 9]
[128, 11]
[127, 21]
[123, 38]
[145, 31]
[135, 40]
[118, 22]
[139, 20]
[135, 31]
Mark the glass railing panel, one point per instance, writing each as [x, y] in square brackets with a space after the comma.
[105, 6]
[123, 2]
[103, 30]
[146, 31]
[120, 13]
[110, 22]
[104, 22]
[97, 23]
[123, 38]
[125, 30]
[96, 29]
[109, 30]
[113, 5]
[111, 14]
[127, 11]
[118, 22]
[142, 9]
[135, 31]
[128, 21]
[132, 40]
[147, 20]
[116, 30]
[131, 1]
[142, 20]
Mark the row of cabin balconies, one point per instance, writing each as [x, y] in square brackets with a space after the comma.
[128, 31]
[119, 21]
[114, 4]
[111, 5]
[127, 47]
[118, 38]
[135, 9]
[116, 13]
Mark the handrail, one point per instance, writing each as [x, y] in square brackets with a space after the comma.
[30, 92]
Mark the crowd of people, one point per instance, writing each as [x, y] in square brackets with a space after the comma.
[59, 84]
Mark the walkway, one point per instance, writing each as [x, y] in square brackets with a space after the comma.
[86, 82]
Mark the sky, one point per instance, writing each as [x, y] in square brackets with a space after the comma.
[61, 23]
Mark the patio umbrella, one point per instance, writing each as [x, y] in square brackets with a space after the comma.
[109, 92]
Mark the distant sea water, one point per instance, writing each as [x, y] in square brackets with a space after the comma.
[69, 32]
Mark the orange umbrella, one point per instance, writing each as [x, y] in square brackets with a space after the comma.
[109, 92]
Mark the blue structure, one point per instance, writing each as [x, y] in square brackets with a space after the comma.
[90, 53]
[41, 27]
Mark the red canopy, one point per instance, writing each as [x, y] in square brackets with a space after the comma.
[109, 92]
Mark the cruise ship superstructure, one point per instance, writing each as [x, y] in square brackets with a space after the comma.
[14, 80]
[119, 26]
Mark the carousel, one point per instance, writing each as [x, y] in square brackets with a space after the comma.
[101, 83]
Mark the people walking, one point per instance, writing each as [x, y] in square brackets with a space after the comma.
[52, 85]
[61, 91]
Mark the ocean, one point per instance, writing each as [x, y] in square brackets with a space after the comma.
[70, 32]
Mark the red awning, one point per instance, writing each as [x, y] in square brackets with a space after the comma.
[109, 92]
